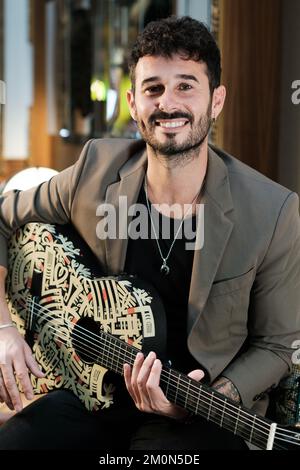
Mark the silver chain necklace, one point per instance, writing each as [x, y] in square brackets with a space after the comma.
[165, 269]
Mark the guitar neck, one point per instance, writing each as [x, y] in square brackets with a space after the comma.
[191, 395]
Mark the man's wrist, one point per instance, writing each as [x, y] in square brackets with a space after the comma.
[227, 388]
[5, 316]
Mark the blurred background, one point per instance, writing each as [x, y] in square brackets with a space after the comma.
[64, 66]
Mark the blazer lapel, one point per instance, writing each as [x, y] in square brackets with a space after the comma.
[122, 195]
[217, 229]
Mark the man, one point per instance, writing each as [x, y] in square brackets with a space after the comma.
[237, 297]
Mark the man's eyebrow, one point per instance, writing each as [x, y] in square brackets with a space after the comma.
[149, 80]
[183, 76]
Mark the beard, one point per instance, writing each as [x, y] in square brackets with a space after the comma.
[171, 151]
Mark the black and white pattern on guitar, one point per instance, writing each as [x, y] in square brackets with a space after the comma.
[72, 307]
[287, 398]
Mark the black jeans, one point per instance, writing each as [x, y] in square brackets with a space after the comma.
[60, 421]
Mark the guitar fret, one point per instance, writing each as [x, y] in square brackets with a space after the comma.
[187, 395]
[198, 400]
[210, 404]
[237, 421]
[177, 387]
[252, 429]
[223, 412]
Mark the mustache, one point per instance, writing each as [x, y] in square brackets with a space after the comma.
[161, 115]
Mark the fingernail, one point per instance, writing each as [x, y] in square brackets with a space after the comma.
[29, 396]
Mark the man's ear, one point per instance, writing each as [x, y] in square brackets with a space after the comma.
[131, 104]
[218, 99]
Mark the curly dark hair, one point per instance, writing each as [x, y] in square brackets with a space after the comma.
[186, 36]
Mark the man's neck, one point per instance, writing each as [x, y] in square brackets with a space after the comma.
[169, 183]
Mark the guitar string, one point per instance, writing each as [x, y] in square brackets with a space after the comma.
[264, 424]
[229, 426]
[96, 338]
[202, 391]
[202, 408]
[175, 382]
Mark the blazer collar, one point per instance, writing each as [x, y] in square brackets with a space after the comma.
[216, 226]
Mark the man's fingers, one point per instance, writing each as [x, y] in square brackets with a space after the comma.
[196, 374]
[154, 375]
[11, 387]
[156, 396]
[127, 378]
[145, 371]
[4, 397]
[134, 376]
[31, 363]
[130, 374]
[21, 372]
[136, 379]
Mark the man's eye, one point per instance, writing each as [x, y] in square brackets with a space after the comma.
[184, 86]
[153, 89]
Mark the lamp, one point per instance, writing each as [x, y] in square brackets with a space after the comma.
[28, 178]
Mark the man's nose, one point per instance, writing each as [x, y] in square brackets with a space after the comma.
[167, 103]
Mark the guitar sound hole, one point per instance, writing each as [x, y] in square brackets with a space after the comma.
[84, 341]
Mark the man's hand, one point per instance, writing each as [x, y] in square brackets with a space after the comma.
[15, 360]
[15, 357]
[142, 382]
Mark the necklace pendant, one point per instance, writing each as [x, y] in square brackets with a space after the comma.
[165, 269]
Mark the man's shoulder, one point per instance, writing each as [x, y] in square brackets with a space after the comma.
[115, 149]
[249, 182]
[109, 158]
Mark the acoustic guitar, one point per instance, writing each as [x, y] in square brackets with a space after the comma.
[83, 326]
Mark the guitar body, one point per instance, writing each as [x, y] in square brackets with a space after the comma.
[61, 302]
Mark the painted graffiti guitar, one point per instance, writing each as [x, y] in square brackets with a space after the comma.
[82, 328]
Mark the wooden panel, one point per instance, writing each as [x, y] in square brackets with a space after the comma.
[39, 139]
[64, 153]
[249, 38]
[10, 167]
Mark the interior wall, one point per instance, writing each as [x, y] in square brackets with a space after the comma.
[250, 38]
[40, 144]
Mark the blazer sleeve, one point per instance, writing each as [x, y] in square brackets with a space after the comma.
[50, 202]
[274, 312]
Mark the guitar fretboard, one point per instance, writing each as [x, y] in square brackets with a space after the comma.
[191, 395]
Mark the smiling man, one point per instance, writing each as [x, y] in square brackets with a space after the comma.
[232, 307]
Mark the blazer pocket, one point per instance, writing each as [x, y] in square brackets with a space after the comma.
[227, 286]
[226, 311]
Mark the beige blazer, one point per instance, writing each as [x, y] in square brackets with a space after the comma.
[244, 302]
